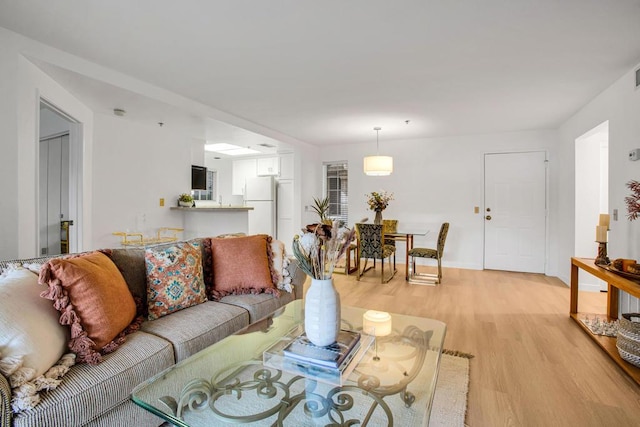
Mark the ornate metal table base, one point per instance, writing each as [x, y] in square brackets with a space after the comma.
[251, 392]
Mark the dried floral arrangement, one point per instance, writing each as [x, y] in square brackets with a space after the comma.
[633, 201]
[379, 200]
[320, 247]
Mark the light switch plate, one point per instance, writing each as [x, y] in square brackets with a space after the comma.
[476, 209]
[161, 202]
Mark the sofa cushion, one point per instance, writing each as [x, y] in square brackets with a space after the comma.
[89, 391]
[174, 278]
[259, 306]
[242, 265]
[93, 299]
[130, 262]
[198, 327]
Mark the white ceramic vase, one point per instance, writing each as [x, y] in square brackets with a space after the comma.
[322, 312]
[185, 204]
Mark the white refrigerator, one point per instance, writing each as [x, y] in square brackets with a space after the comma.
[260, 194]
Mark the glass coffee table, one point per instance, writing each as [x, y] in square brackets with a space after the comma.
[390, 382]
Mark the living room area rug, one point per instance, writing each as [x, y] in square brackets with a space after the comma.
[450, 401]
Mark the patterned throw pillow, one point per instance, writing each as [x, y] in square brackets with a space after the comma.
[93, 299]
[174, 278]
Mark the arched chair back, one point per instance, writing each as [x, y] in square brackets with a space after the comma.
[371, 246]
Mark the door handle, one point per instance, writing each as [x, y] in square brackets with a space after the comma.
[488, 217]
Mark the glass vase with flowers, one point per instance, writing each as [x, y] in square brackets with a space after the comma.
[378, 201]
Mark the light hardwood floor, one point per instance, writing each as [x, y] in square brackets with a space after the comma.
[533, 365]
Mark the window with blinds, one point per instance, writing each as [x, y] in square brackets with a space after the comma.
[337, 188]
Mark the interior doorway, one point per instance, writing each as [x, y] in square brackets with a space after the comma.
[591, 195]
[58, 182]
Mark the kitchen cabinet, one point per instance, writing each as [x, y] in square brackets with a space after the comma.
[268, 166]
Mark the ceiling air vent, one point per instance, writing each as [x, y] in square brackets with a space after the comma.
[265, 145]
[637, 78]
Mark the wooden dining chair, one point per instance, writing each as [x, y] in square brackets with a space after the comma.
[428, 253]
[371, 246]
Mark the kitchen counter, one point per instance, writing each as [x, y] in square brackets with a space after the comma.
[214, 208]
[213, 220]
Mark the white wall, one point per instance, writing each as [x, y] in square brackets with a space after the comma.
[22, 84]
[620, 104]
[134, 166]
[437, 180]
[9, 235]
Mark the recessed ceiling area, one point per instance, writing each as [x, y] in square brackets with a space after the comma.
[327, 72]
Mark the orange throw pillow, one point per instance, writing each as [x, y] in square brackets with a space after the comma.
[242, 265]
[93, 298]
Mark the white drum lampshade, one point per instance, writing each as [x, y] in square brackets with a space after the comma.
[378, 165]
[377, 323]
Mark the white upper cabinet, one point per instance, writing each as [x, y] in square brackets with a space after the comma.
[268, 166]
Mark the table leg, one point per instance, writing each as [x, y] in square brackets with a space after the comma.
[409, 246]
[612, 301]
[574, 289]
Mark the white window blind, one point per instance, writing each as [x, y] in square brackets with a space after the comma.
[337, 188]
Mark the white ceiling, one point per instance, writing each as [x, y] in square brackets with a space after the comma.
[327, 72]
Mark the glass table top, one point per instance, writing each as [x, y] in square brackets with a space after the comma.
[391, 383]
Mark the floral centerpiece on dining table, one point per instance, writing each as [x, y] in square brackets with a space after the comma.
[317, 251]
[378, 201]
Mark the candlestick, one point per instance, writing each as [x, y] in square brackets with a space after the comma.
[605, 220]
[377, 323]
[602, 258]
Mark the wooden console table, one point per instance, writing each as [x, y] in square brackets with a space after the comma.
[615, 284]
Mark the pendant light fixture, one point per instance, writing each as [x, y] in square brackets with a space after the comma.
[378, 165]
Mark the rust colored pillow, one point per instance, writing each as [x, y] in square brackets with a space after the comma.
[93, 298]
[242, 265]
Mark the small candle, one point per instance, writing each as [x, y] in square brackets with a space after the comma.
[604, 220]
[377, 323]
[601, 233]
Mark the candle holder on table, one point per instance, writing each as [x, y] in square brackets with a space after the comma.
[602, 258]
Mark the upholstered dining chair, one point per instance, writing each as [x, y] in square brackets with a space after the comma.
[371, 246]
[427, 278]
[389, 226]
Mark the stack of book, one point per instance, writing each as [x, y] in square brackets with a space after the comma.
[335, 356]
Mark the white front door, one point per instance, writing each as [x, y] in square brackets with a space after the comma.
[515, 211]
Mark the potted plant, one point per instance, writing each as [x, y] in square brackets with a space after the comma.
[321, 207]
[185, 200]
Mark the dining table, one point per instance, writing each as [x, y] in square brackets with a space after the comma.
[406, 235]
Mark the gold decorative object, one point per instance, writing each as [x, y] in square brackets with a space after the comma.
[138, 239]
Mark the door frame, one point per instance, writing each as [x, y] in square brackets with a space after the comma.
[546, 201]
[75, 175]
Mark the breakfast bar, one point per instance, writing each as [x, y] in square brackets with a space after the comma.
[213, 221]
